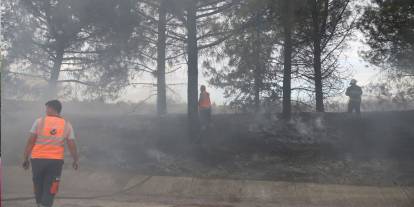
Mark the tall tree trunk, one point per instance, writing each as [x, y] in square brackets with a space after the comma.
[258, 67]
[318, 30]
[54, 75]
[192, 52]
[257, 84]
[161, 45]
[287, 65]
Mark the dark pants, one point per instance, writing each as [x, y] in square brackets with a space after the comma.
[354, 105]
[46, 178]
[205, 116]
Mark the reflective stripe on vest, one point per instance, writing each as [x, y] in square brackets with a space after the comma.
[45, 140]
[50, 139]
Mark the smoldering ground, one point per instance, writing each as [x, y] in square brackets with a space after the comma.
[336, 148]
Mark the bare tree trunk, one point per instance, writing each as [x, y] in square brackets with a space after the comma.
[52, 91]
[192, 52]
[258, 67]
[161, 45]
[287, 65]
[318, 30]
[257, 87]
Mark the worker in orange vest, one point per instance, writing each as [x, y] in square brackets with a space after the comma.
[46, 149]
[204, 108]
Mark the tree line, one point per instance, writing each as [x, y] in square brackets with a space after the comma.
[259, 51]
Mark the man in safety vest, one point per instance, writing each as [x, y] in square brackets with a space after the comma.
[204, 108]
[46, 149]
[354, 92]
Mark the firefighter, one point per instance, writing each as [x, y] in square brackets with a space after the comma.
[354, 93]
[204, 108]
[45, 148]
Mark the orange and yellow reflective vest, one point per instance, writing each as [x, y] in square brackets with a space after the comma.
[204, 100]
[51, 131]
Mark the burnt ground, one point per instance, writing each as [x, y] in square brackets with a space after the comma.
[374, 149]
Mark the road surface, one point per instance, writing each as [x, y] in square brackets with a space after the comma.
[95, 188]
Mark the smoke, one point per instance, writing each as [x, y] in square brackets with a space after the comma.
[156, 155]
[301, 129]
[312, 147]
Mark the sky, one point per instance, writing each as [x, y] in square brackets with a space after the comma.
[363, 71]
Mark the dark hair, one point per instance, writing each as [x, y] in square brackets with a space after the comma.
[55, 104]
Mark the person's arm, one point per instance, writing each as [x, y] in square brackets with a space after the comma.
[71, 142]
[347, 92]
[28, 150]
[74, 152]
[209, 100]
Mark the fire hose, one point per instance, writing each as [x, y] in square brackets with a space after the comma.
[142, 182]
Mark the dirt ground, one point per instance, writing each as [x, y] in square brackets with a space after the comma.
[375, 149]
[334, 148]
[96, 188]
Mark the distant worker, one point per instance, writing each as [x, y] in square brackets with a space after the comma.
[46, 149]
[354, 92]
[204, 107]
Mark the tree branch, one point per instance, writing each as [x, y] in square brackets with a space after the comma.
[77, 81]
[217, 11]
[28, 75]
[218, 41]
